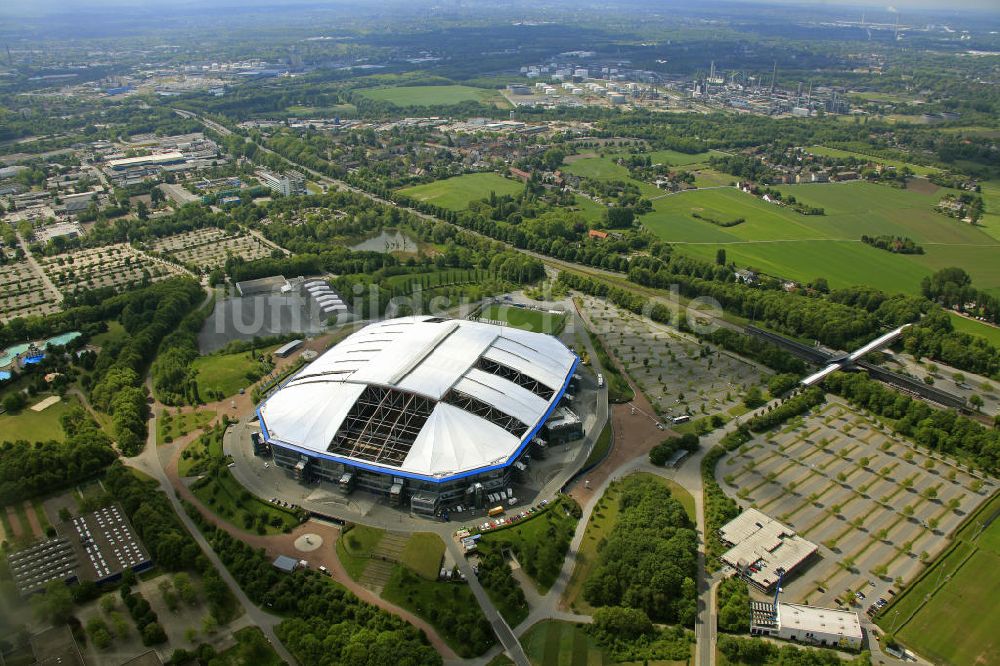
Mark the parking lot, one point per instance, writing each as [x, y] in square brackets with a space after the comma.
[876, 505]
[23, 294]
[677, 373]
[205, 249]
[118, 266]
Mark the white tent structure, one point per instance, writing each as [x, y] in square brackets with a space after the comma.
[422, 397]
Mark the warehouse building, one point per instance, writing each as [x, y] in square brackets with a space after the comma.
[429, 412]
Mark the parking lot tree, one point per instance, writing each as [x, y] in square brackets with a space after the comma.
[734, 605]
[55, 604]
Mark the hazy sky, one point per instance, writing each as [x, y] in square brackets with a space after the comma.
[69, 6]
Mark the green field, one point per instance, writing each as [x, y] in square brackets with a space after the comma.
[601, 446]
[431, 95]
[530, 320]
[558, 643]
[540, 542]
[225, 374]
[599, 168]
[222, 494]
[355, 547]
[423, 554]
[674, 158]
[779, 241]
[918, 169]
[438, 603]
[964, 605]
[973, 327]
[173, 426]
[35, 426]
[458, 192]
[251, 648]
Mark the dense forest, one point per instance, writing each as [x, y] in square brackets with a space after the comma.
[649, 560]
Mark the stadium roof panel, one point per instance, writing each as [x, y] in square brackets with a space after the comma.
[414, 396]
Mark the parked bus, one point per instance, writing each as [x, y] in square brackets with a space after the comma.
[495, 511]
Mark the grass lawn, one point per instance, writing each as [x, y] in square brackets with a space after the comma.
[115, 332]
[539, 543]
[432, 95]
[779, 241]
[439, 603]
[226, 374]
[197, 457]
[355, 547]
[558, 643]
[973, 327]
[823, 151]
[602, 521]
[423, 554]
[601, 446]
[674, 158]
[36, 426]
[530, 320]
[224, 496]
[458, 192]
[251, 648]
[588, 209]
[178, 425]
[435, 278]
[965, 605]
[598, 168]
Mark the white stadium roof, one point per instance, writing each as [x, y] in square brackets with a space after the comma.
[422, 397]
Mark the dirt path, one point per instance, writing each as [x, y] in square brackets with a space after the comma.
[33, 522]
[15, 522]
[326, 555]
[633, 434]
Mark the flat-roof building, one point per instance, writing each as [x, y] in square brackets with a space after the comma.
[98, 546]
[806, 624]
[760, 546]
[289, 183]
[160, 159]
[418, 406]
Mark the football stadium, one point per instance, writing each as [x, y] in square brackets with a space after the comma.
[427, 411]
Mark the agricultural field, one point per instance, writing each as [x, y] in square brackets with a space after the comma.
[823, 151]
[205, 249]
[539, 321]
[458, 192]
[956, 596]
[432, 95]
[779, 241]
[668, 365]
[119, 266]
[23, 294]
[877, 506]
